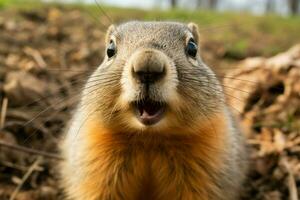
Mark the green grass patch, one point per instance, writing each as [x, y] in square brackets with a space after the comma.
[5, 4]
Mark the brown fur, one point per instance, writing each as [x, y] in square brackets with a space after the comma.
[195, 152]
[137, 167]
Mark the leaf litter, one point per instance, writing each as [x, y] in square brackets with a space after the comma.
[45, 58]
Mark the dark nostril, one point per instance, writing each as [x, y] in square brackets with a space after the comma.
[149, 66]
[149, 77]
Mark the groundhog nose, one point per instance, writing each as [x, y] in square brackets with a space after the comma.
[148, 67]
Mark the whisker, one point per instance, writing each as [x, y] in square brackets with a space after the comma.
[57, 103]
[83, 123]
[254, 83]
[223, 77]
[97, 21]
[226, 103]
[102, 10]
[211, 83]
[71, 82]
[58, 109]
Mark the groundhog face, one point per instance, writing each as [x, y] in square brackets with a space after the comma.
[152, 79]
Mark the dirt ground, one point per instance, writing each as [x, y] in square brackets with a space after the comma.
[45, 59]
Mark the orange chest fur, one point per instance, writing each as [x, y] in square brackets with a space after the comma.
[206, 144]
[157, 164]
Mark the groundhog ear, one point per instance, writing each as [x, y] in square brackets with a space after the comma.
[195, 30]
[109, 31]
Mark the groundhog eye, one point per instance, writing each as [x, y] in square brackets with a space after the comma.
[191, 48]
[111, 49]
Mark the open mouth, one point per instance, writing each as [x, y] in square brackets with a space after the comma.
[149, 112]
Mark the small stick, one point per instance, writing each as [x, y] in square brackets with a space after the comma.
[17, 167]
[34, 166]
[3, 112]
[291, 182]
[36, 56]
[30, 151]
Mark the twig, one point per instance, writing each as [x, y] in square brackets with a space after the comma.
[3, 112]
[34, 166]
[291, 182]
[36, 56]
[17, 167]
[30, 151]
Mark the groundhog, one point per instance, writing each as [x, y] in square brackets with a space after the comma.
[152, 123]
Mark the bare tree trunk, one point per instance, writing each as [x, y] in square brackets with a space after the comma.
[293, 5]
[199, 3]
[212, 4]
[270, 6]
[173, 3]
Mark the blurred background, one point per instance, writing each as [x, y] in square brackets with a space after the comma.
[49, 48]
[282, 7]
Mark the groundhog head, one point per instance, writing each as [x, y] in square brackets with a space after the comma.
[153, 79]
